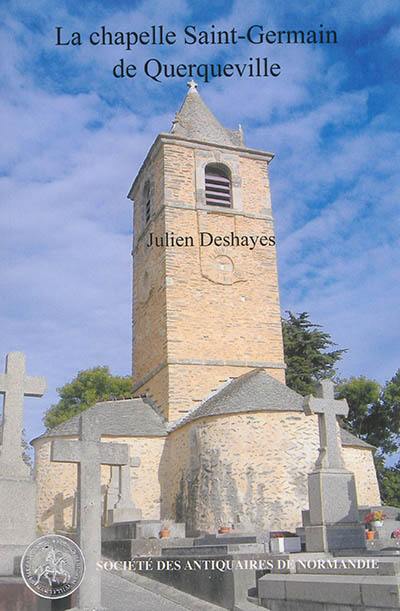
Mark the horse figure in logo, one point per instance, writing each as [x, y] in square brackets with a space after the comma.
[53, 569]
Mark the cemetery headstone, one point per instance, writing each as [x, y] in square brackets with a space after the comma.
[334, 517]
[89, 453]
[124, 509]
[17, 487]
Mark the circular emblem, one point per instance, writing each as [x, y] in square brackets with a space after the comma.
[53, 566]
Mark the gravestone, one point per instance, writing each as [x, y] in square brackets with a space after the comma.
[17, 488]
[89, 453]
[333, 517]
[124, 509]
[112, 490]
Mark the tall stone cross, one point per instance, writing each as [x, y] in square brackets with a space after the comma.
[328, 409]
[15, 385]
[89, 453]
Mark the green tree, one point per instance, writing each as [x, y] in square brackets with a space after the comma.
[391, 402]
[307, 353]
[374, 417]
[389, 483]
[374, 412]
[88, 387]
[361, 395]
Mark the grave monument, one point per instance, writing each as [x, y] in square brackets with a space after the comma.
[89, 453]
[17, 487]
[334, 519]
[124, 509]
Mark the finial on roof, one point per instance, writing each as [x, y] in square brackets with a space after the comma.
[192, 85]
[195, 121]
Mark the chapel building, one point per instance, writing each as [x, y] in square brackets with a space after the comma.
[220, 437]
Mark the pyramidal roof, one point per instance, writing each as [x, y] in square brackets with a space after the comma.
[195, 121]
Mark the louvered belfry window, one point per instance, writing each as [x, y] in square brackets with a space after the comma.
[218, 186]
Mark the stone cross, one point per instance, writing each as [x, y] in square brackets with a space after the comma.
[123, 509]
[125, 494]
[328, 408]
[192, 85]
[15, 385]
[89, 453]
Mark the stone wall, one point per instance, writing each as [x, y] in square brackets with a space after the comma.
[57, 482]
[361, 463]
[241, 469]
[56, 488]
[248, 468]
[149, 349]
[203, 313]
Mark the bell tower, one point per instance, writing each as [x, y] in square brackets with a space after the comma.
[205, 285]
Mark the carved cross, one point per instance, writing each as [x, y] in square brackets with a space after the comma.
[328, 409]
[192, 85]
[15, 385]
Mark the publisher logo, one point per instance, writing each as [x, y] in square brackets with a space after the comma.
[53, 566]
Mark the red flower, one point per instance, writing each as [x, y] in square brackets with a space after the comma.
[374, 516]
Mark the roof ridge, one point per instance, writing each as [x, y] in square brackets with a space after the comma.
[116, 401]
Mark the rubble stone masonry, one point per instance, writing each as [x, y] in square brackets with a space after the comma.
[202, 314]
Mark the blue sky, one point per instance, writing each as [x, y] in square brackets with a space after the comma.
[73, 138]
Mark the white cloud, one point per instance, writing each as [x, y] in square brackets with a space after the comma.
[393, 36]
[68, 158]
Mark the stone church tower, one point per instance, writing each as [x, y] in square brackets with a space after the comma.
[221, 439]
[202, 313]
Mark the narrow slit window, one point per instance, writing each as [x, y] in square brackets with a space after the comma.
[147, 203]
[148, 210]
[218, 186]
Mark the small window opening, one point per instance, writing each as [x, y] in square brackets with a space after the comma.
[218, 186]
[147, 202]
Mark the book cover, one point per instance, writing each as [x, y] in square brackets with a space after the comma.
[199, 317]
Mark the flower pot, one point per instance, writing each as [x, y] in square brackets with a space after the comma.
[377, 524]
[165, 533]
[370, 535]
[224, 530]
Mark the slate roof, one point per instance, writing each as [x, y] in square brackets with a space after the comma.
[128, 417]
[251, 392]
[351, 440]
[195, 121]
